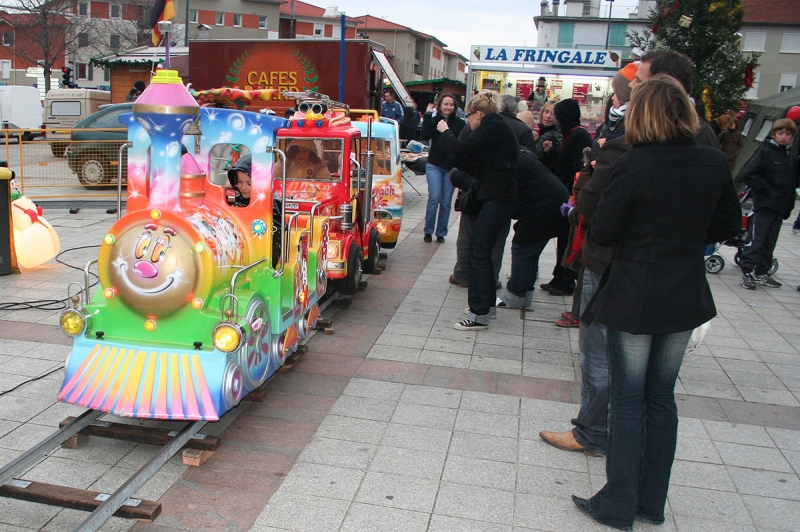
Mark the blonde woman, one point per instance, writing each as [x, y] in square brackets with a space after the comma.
[668, 197]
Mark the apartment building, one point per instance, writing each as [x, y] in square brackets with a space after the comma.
[299, 20]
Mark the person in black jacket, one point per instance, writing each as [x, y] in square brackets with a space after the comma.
[440, 190]
[494, 149]
[549, 140]
[667, 199]
[569, 161]
[537, 211]
[509, 107]
[772, 176]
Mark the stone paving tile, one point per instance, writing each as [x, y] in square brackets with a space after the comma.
[398, 491]
[474, 502]
[361, 517]
[720, 506]
[773, 514]
[749, 456]
[443, 523]
[766, 483]
[408, 462]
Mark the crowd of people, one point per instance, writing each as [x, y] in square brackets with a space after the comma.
[632, 210]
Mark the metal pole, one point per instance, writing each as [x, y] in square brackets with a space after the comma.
[608, 29]
[186, 29]
[291, 23]
[341, 60]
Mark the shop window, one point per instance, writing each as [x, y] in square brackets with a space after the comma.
[616, 35]
[566, 34]
[754, 41]
[790, 43]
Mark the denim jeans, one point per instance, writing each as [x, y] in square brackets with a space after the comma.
[440, 197]
[482, 293]
[464, 245]
[642, 426]
[591, 425]
[524, 271]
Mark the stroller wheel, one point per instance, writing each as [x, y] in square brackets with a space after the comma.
[774, 267]
[737, 256]
[714, 264]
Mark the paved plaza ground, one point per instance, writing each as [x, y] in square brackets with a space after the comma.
[398, 422]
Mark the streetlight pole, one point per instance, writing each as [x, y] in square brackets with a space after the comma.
[608, 30]
[341, 59]
[186, 29]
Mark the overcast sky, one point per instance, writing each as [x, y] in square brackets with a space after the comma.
[463, 23]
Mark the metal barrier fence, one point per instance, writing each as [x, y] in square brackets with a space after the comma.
[64, 168]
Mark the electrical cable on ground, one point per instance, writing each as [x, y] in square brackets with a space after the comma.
[23, 383]
[51, 304]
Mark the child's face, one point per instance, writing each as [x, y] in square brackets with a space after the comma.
[783, 137]
[243, 184]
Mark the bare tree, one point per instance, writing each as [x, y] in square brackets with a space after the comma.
[50, 26]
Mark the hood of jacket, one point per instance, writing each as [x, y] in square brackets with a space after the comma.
[242, 165]
[568, 114]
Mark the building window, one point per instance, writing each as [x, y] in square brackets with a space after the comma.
[237, 20]
[790, 43]
[262, 23]
[752, 92]
[587, 10]
[616, 35]
[116, 11]
[5, 68]
[566, 34]
[460, 66]
[8, 38]
[220, 18]
[114, 42]
[83, 9]
[437, 53]
[317, 29]
[83, 39]
[193, 14]
[788, 81]
[107, 74]
[754, 41]
[81, 71]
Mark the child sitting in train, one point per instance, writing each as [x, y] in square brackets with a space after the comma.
[303, 162]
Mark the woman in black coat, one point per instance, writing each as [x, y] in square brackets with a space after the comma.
[494, 149]
[668, 197]
[440, 191]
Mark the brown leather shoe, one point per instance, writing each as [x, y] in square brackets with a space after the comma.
[564, 441]
[454, 281]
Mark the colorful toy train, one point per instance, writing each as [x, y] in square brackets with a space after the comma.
[195, 308]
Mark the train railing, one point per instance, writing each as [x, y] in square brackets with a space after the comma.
[61, 168]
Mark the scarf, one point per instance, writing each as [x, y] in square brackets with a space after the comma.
[616, 115]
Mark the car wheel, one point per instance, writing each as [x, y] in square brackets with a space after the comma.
[57, 148]
[94, 172]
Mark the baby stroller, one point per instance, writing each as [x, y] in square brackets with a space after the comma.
[715, 263]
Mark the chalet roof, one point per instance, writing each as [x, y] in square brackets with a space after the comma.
[783, 12]
[141, 55]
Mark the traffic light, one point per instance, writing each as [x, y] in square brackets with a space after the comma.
[67, 78]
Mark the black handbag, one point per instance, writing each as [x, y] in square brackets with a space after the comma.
[467, 200]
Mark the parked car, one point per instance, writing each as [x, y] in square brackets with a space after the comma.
[93, 150]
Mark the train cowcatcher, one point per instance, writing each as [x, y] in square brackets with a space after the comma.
[194, 310]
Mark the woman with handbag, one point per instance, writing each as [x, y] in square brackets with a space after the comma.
[667, 198]
[494, 148]
[440, 191]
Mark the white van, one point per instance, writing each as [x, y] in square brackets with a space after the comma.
[21, 108]
[63, 108]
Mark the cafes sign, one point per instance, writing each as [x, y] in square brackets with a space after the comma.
[547, 56]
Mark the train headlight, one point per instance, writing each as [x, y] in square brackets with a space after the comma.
[227, 337]
[333, 250]
[381, 226]
[73, 322]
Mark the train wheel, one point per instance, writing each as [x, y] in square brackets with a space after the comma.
[738, 256]
[349, 285]
[255, 355]
[714, 264]
[371, 262]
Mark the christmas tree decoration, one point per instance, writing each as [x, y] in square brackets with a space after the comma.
[707, 102]
[707, 31]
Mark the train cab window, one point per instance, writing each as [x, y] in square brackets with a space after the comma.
[221, 158]
[310, 159]
[383, 157]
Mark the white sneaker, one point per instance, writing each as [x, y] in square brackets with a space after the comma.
[469, 325]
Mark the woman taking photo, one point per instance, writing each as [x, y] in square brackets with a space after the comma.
[668, 197]
[493, 147]
[440, 191]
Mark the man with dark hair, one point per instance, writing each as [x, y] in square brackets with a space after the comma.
[390, 108]
[680, 67]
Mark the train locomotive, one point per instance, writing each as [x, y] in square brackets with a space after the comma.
[194, 308]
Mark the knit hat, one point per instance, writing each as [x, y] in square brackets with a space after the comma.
[620, 81]
[568, 114]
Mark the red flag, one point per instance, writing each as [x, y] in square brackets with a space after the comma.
[162, 10]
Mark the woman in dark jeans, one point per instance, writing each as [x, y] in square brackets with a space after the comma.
[440, 190]
[494, 148]
[667, 199]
